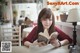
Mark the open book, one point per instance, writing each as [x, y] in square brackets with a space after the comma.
[44, 36]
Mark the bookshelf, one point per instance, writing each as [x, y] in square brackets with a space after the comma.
[10, 33]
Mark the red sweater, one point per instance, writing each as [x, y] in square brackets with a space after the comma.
[33, 35]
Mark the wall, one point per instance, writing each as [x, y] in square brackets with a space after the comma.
[7, 14]
[7, 10]
[30, 10]
[67, 28]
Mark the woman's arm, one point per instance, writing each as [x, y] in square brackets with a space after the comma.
[58, 43]
[27, 43]
[62, 36]
[64, 42]
[31, 37]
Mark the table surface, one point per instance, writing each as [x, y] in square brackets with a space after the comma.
[48, 49]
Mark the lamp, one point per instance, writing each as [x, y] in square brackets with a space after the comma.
[73, 17]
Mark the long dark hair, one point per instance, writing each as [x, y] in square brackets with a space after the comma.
[45, 13]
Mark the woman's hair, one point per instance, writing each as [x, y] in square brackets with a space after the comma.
[45, 13]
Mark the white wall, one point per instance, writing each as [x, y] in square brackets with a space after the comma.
[63, 8]
[29, 8]
[68, 7]
[7, 14]
[67, 28]
[7, 10]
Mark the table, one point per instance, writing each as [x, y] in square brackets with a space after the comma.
[48, 49]
[23, 49]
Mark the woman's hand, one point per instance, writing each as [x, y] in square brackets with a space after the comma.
[55, 42]
[27, 44]
[40, 44]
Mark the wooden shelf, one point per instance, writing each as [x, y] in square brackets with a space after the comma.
[14, 33]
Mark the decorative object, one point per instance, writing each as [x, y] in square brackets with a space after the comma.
[15, 13]
[73, 17]
[22, 14]
[63, 17]
[39, 5]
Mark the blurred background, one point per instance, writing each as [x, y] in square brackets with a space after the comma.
[19, 17]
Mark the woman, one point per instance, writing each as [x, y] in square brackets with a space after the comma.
[45, 21]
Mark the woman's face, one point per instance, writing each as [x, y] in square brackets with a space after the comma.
[46, 22]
